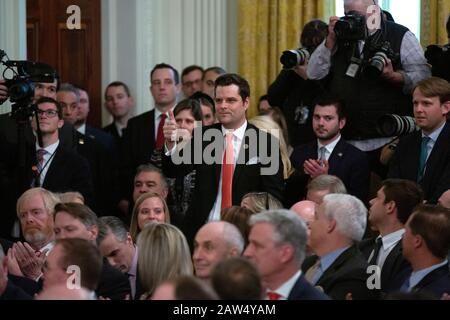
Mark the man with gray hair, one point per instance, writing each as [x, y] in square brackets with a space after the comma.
[116, 245]
[215, 242]
[277, 244]
[338, 267]
[322, 185]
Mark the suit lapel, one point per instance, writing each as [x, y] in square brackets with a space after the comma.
[435, 157]
[336, 156]
[147, 134]
[243, 156]
[52, 172]
[431, 277]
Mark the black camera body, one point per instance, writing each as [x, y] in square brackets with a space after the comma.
[351, 27]
[377, 63]
[295, 57]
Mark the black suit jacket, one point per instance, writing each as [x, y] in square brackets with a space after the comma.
[113, 284]
[347, 274]
[346, 162]
[112, 130]
[12, 292]
[395, 268]
[405, 163]
[105, 139]
[247, 175]
[303, 290]
[437, 282]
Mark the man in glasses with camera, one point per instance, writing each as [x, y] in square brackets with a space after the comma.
[372, 64]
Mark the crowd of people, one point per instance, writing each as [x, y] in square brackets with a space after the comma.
[192, 200]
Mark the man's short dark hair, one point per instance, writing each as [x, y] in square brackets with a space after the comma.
[216, 70]
[53, 101]
[113, 225]
[78, 211]
[85, 255]
[118, 84]
[432, 223]
[405, 193]
[205, 100]
[331, 100]
[237, 279]
[192, 105]
[229, 79]
[176, 75]
[189, 69]
[314, 32]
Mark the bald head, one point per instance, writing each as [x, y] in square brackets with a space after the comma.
[305, 210]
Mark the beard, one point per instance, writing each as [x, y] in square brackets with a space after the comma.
[34, 236]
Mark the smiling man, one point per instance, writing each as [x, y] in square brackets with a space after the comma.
[424, 156]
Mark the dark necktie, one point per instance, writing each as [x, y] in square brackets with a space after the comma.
[423, 158]
[160, 134]
[376, 251]
[40, 166]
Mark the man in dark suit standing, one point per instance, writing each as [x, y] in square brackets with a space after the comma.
[231, 158]
[425, 245]
[424, 156]
[389, 211]
[277, 244]
[143, 139]
[338, 267]
[330, 153]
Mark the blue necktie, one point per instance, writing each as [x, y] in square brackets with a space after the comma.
[423, 158]
[405, 286]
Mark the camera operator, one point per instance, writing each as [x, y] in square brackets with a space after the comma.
[292, 90]
[439, 57]
[371, 45]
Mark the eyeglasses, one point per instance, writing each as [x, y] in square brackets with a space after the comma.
[48, 113]
[189, 84]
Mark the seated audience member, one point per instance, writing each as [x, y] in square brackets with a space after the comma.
[388, 213]
[74, 220]
[116, 245]
[264, 107]
[439, 57]
[71, 196]
[209, 78]
[424, 156]
[8, 290]
[325, 184]
[444, 199]
[214, 242]
[184, 288]
[239, 217]
[266, 123]
[277, 244]
[426, 244]
[208, 108]
[306, 210]
[73, 252]
[35, 210]
[329, 153]
[149, 207]
[237, 279]
[164, 255]
[191, 80]
[260, 201]
[338, 267]
[118, 102]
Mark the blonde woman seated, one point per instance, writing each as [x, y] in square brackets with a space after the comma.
[164, 255]
[260, 201]
[149, 207]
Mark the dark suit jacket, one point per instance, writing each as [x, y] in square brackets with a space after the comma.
[113, 284]
[112, 130]
[6, 244]
[405, 163]
[395, 268]
[346, 162]
[12, 292]
[247, 175]
[437, 282]
[103, 138]
[347, 274]
[138, 143]
[303, 290]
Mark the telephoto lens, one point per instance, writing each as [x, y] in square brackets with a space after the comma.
[295, 57]
[391, 125]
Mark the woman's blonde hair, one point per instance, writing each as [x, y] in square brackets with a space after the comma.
[267, 124]
[134, 227]
[163, 255]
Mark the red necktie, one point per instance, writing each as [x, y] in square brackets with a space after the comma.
[160, 135]
[227, 172]
[273, 296]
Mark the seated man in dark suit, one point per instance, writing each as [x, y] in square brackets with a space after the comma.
[388, 213]
[231, 158]
[277, 244]
[330, 154]
[74, 220]
[426, 243]
[424, 156]
[338, 267]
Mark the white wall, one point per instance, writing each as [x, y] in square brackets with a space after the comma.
[138, 34]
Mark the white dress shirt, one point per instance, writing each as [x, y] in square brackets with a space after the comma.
[389, 242]
[285, 289]
[328, 148]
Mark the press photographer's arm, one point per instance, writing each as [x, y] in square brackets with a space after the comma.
[3, 91]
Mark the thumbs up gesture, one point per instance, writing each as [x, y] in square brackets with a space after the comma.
[170, 131]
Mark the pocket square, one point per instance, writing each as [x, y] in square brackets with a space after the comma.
[253, 160]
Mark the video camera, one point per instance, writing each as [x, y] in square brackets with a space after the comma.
[21, 83]
[351, 27]
[294, 57]
[390, 125]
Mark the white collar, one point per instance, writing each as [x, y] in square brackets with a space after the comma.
[50, 149]
[329, 147]
[392, 239]
[82, 129]
[285, 289]
[239, 132]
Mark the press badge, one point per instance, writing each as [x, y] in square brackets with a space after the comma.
[353, 68]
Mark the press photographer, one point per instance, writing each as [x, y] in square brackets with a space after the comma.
[372, 64]
[292, 91]
[439, 57]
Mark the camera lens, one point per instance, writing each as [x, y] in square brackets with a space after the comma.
[21, 90]
[295, 57]
[376, 65]
[390, 125]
